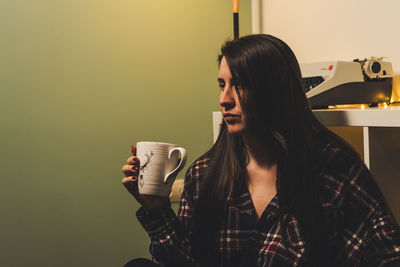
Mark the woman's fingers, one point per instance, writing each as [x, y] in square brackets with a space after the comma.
[129, 181]
[133, 160]
[130, 170]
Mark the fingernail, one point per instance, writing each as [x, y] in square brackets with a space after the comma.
[135, 159]
[135, 168]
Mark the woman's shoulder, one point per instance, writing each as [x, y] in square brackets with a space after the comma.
[338, 169]
[339, 160]
[345, 176]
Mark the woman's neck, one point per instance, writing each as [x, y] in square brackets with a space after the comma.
[261, 174]
[258, 153]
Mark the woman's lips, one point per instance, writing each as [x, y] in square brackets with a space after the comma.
[231, 117]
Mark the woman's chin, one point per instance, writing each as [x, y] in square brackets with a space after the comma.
[236, 129]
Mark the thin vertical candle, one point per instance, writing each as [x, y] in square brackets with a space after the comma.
[235, 5]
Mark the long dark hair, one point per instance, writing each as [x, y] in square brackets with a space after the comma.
[268, 81]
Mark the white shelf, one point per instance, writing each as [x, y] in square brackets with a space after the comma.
[368, 117]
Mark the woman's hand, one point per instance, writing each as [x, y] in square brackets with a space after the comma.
[131, 170]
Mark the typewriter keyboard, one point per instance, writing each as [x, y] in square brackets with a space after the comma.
[311, 82]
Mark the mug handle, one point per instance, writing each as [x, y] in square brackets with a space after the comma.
[181, 163]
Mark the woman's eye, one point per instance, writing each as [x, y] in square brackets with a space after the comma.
[238, 86]
[221, 85]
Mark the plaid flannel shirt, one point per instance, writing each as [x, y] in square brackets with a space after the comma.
[370, 237]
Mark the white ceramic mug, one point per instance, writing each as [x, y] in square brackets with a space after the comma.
[159, 165]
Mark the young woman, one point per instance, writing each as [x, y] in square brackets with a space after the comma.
[277, 188]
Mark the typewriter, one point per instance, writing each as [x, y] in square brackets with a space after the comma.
[367, 81]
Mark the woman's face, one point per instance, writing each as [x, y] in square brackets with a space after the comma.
[229, 101]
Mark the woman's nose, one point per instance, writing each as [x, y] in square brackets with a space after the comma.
[226, 99]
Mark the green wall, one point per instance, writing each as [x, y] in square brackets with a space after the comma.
[80, 81]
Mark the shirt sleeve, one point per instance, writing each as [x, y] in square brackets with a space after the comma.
[171, 234]
[371, 230]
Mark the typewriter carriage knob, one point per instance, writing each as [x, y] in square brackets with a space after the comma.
[375, 68]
